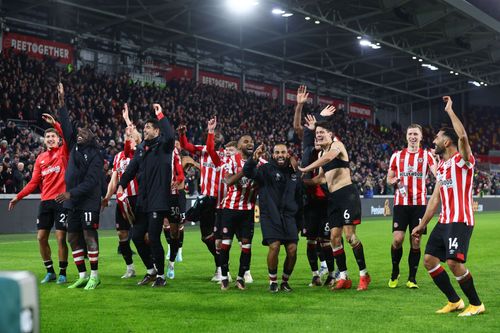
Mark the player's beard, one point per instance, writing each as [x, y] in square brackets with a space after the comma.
[439, 150]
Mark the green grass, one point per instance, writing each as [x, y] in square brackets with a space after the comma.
[191, 303]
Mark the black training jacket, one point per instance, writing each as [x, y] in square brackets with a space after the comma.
[84, 172]
[280, 199]
[152, 165]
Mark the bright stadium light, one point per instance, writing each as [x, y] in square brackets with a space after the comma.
[420, 59]
[307, 18]
[451, 72]
[287, 15]
[414, 58]
[475, 83]
[317, 22]
[365, 42]
[431, 67]
[359, 37]
[241, 6]
[278, 11]
[456, 73]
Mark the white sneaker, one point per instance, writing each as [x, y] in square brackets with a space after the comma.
[217, 275]
[229, 278]
[323, 270]
[130, 273]
[248, 277]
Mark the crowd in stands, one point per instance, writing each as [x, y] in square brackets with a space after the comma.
[27, 89]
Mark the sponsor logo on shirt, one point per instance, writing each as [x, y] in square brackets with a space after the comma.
[54, 169]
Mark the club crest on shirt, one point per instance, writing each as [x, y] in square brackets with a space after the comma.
[293, 177]
[420, 160]
[278, 177]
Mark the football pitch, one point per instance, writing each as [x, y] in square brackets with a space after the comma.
[191, 303]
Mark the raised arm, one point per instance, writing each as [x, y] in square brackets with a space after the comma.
[212, 123]
[185, 144]
[463, 141]
[302, 96]
[67, 128]
[166, 129]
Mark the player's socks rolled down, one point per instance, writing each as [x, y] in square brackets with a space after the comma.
[63, 265]
[359, 254]
[245, 258]
[125, 207]
[312, 255]
[339, 255]
[79, 259]
[49, 266]
[126, 251]
[396, 255]
[442, 280]
[467, 284]
[413, 261]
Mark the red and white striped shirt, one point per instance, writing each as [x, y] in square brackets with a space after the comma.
[242, 195]
[177, 171]
[120, 163]
[412, 169]
[456, 177]
[209, 177]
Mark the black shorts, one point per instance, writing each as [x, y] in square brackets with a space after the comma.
[79, 220]
[449, 241]
[237, 222]
[121, 222]
[174, 214]
[203, 210]
[407, 217]
[49, 213]
[344, 207]
[316, 220]
[269, 241]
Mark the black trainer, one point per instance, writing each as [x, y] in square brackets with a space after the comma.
[285, 287]
[240, 284]
[330, 281]
[224, 284]
[316, 282]
[159, 282]
[273, 287]
[147, 279]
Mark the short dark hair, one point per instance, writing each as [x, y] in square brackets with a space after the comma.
[450, 134]
[325, 124]
[154, 122]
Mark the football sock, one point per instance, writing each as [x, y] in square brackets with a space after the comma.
[396, 255]
[467, 284]
[126, 251]
[442, 280]
[49, 266]
[360, 256]
[312, 255]
[413, 261]
[62, 267]
[339, 255]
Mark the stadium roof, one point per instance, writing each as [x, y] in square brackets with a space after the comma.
[454, 36]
